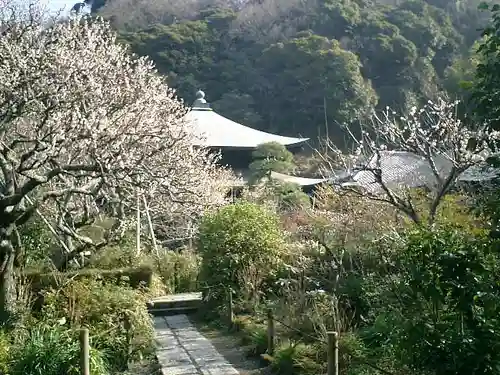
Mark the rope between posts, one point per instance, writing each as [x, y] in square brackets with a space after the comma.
[302, 333]
[322, 341]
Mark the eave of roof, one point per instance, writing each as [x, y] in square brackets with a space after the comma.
[301, 181]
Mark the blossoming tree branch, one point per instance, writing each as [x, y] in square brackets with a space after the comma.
[433, 135]
[83, 122]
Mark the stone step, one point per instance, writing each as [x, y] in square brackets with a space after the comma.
[175, 303]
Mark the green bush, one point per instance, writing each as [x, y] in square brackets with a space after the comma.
[179, 270]
[122, 255]
[4, 352]
[134, 277]
[38, 243]
[254, 337]
[296, 358]
[271, 156]
[291, 196]
[116, 315]
[53, 351]
[240, 245]
[443, 313]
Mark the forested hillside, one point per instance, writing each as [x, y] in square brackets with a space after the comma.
[289, 66]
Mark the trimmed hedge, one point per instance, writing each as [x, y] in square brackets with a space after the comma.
[136, 277]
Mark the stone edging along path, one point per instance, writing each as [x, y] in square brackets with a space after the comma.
[182, 350]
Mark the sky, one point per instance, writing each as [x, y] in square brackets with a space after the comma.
[56, 5]
[51, 6]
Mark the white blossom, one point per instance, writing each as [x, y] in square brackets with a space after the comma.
[431, 133]
[80, 118]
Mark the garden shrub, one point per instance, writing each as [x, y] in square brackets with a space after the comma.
[455, 210]
[134, 277]
[105, 309]
[254, 337]
[4, 352]
[38, 243]
[179, 270]
[297, 358]
[122, 255]
[291, 196]
[442, 314]
[240, 322]
[234, 240]
[271, 156]
[53, 351]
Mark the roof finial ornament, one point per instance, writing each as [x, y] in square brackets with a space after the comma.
[200, 102]
[200, 94]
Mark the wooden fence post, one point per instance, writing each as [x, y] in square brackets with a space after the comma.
[230, 308]
[84, 352]
[176, 276]
[270, 332]
[128, 332]
[333, 353]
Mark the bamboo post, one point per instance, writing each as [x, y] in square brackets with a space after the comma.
[333, 353]
[84, 352]
[270, 332]
[176, 277]
[150, 224]
[190, 234]
[230, 308]
[138, 223]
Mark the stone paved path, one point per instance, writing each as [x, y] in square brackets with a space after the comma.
[182, 350]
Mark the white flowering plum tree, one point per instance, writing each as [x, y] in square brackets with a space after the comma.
[429, 147]
[82, 121]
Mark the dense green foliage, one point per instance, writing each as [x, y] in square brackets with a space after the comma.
[290, 196]
[269, 157]
[109, 297]
[486, 87]
[108, 309]
[445, 305]
[53, 351]
[37, 243]
[47, 341]
[302, 67]
[239, 240]
[404, 298]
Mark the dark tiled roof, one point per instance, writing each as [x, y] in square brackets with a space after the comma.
[404, 169]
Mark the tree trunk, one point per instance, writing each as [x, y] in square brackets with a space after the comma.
[7, 257]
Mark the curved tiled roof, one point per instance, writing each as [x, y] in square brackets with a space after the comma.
[405, 169]
[213, 130]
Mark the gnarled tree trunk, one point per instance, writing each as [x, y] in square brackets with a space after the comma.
[7, 257]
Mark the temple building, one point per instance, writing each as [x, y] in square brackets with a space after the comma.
[235, 141]
[399, 170]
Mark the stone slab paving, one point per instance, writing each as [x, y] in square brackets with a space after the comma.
[182, 350]
[179, 297]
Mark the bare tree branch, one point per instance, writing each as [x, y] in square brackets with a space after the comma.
[429, 147]
[81, 119]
